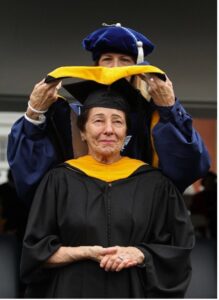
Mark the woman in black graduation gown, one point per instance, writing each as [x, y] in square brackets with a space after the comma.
[103, 225]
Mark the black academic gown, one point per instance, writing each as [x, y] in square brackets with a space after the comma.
[144, 210]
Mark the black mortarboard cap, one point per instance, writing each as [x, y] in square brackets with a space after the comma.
[119, 95]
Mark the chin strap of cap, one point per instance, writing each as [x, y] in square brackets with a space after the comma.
[139, 44]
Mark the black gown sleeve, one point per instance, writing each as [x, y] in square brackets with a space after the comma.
[167, 245]
[41, 238]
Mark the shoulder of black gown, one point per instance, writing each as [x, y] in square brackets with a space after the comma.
[145, 169]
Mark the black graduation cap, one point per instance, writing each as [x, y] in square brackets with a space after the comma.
[123, 96]
[119, 95]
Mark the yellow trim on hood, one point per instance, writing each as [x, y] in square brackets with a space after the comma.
[106, 172]
[102, 75]
[155, 119]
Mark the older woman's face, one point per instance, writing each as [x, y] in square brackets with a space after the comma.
[105, 131]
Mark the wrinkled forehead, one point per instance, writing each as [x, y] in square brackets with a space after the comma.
[105, 112]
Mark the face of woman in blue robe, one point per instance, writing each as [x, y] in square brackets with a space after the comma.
[112, 60]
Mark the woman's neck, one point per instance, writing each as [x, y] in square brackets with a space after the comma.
[106, 159]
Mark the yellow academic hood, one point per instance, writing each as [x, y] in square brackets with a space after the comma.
[102, 75]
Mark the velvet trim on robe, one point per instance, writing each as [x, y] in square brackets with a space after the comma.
[121, 169]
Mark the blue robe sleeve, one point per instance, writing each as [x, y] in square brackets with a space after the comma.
[30, 155]
[35, 149]
[182, 154]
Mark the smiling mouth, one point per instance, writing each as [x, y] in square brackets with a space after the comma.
[107, 141]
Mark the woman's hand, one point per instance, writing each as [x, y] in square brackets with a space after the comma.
[118, 258]
[93, 252]
[111, 259]
[43, 96]
[67, 255]
[161, 91]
